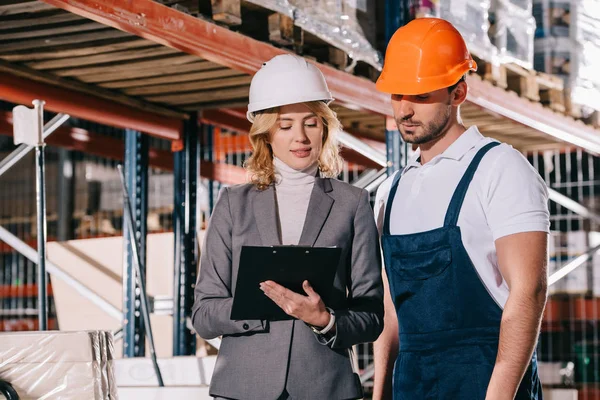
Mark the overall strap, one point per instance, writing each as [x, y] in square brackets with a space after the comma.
[461, 190]
[388, 204]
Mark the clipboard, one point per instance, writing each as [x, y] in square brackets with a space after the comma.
[287, 265]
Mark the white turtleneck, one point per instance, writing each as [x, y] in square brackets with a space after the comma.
[293, 189]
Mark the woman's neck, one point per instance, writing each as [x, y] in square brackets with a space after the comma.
[289, 176]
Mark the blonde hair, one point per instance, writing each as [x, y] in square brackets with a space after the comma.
[260, 164]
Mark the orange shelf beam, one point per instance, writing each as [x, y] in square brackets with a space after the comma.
[114, 149]
[20, 90]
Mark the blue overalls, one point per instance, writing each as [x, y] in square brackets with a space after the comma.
[449, 324]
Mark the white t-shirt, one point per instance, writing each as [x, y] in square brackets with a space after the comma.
[506, 196]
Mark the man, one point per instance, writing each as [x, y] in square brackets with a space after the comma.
[464, 230]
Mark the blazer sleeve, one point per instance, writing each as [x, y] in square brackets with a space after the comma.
[362, 321]
[213, 295]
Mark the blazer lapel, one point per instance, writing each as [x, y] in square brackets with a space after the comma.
[265, 215]
[319, 206]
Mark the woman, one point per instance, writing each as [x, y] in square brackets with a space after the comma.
[293, 138]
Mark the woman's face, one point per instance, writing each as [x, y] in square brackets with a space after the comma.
[297, 137]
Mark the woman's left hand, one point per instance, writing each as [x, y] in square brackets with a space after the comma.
[309, 308]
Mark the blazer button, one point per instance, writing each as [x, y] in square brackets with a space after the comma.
[246, 327]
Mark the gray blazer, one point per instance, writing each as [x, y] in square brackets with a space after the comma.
[259, 359]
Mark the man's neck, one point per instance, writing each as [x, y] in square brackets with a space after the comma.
[431, 149]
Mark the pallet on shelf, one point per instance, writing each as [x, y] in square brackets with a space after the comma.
[269, 26]
[530, 84]
[548, 89]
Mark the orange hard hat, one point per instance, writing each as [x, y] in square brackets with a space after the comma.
[426, 54]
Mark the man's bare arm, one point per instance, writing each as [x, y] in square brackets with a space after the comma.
[522, 262]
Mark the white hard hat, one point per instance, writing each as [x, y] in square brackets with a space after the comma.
[286, 79]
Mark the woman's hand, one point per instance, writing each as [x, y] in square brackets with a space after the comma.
[309, 308]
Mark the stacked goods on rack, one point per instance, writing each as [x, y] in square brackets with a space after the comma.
[348, 25]
[559, 39]
[567, 43]
[496, 31]
[470, 17]
[512, 29]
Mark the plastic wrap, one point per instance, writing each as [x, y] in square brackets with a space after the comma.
[470, 17]
[425, 8]
[57, 365]
[568, 45]
[586, 21]
[497, 31]
[525, 5]
[552, 18]
[585, 34]
[585, 80]
[346, 24]
[553, 56]
[512, 31]
[110, 367]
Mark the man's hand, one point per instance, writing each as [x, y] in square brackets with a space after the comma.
[309, 308]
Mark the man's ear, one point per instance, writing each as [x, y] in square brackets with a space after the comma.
[459, 94]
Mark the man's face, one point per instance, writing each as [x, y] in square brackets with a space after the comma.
[422, 118]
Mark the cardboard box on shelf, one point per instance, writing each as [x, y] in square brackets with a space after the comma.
[98, 264]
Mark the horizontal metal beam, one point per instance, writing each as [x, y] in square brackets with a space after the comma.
[170, 27]
[235, 120]
[351, 142]
[355, 158]
[225, 118]
[113, 149]
[21, 90]
[173, 28]
[23, 290]
[510, 105]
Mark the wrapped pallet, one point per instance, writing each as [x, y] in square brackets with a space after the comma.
[346, 24]
[58, 365]
[496, 31]
[470, 17]
[512, 31]
[585, 80]
[552, 18]
[568, 44]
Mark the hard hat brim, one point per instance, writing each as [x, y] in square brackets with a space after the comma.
[395, 85]
[253, 108]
